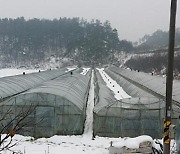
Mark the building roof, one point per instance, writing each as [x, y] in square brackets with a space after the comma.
[13, 85]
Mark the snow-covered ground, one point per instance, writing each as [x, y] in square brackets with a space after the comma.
[119, 93]
[71, 144]
[83, 144]
[10, 72]
[60, 145]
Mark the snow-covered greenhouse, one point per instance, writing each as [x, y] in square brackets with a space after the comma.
[13, 85]
[54, 102]
[152, 84]
[54, 107]
[142, 113]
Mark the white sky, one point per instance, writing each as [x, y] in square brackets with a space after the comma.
[132, 18]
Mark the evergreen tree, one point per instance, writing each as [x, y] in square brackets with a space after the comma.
[31, 40]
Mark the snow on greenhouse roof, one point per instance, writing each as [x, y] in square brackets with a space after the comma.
[140, 103]
[105, 95]
[71, 68]
[71, 87]
[13, 85]
[155, 85]
[119, 92]
[85, 71]
[130, 88]
[107, 101]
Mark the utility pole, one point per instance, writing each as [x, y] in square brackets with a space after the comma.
[169, 79]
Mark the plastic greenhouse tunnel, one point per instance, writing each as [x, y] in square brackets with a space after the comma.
[57, 106]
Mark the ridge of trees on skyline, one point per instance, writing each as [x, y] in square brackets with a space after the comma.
[35, 39]
[158, 40]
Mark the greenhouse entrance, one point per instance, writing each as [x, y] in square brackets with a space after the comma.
[44, 121]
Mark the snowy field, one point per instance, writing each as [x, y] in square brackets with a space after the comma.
[83, 144]
[11, 72]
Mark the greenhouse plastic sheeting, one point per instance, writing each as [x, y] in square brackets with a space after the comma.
[130, 88]
[154, 84]
[58, 106]
[105, 96]
[128, 117]
[131, 117]
[13, 85]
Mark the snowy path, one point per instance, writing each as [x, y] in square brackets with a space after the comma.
[88, 129]
[119, 93]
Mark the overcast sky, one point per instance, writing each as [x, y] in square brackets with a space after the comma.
[132, 18]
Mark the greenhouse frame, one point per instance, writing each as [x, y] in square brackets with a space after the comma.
[17, 84]
[153, 84]
[139, 115]
[55, 107]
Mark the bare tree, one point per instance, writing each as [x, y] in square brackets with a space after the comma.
[10, 124]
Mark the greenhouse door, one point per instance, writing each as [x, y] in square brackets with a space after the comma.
[44, 121]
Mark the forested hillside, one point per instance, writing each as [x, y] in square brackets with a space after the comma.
[154, 62]
[157, 40]
[23, 41]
